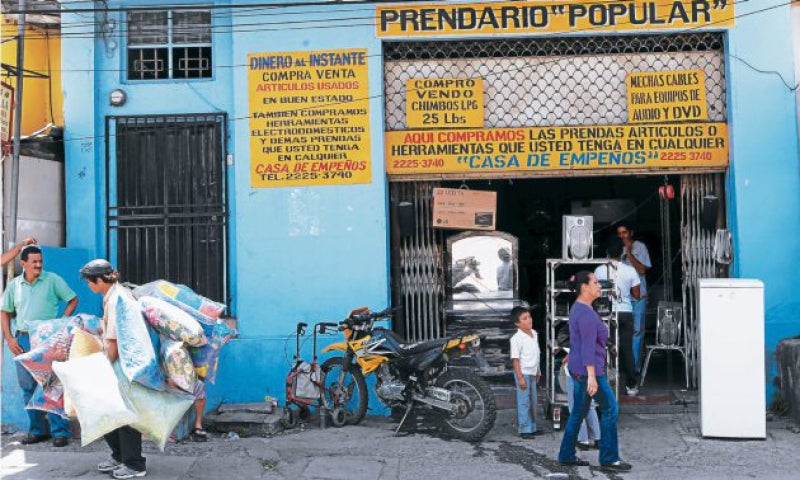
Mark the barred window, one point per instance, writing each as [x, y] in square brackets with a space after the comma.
[166, 45]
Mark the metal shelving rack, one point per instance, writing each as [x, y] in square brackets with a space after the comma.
[555, 398]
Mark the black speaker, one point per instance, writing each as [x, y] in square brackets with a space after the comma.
[406, 219]
[708, 212]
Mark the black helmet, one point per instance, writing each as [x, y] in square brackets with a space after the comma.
[96, 268]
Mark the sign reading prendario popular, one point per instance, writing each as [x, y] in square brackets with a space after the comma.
[599, 147]
[557, 16]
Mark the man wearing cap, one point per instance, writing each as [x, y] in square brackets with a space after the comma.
[33, 298]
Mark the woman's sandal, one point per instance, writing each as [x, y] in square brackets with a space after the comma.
[199, 435]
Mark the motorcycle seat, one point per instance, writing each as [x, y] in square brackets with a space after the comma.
[404, 348]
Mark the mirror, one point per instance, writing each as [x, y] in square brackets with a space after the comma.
[483, 267]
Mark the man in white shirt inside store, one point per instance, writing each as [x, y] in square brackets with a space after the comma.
[637, 256]
[626, 291]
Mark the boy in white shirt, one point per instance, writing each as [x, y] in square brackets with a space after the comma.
[525, 358]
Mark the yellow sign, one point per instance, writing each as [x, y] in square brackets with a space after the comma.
[538, 149]
[6, 101]
[557, 16]
[444, 102]
[309, 118]
[673, 96]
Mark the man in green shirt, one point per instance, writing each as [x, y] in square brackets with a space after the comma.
[32, 298]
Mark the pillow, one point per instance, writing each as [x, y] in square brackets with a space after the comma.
[173, 322]
[49, 342]
[50, 400]
[159, 412]
[206, 358]
[178, 364]
[136, 353]
[93, 387]
[83, 344]
[200, 308]
[89, 323]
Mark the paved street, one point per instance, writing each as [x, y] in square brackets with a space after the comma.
[659, 446]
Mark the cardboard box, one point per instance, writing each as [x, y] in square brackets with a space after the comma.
[462, 209]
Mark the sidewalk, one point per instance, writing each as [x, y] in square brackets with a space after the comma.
[659, 446]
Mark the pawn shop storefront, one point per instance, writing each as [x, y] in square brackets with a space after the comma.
[630, 124]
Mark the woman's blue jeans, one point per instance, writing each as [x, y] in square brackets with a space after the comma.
[609, 411]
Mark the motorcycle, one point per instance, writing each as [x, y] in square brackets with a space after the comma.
[408, 376]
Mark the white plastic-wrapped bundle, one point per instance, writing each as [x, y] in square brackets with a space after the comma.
[83, 345]
[159, 412]
[95, 392]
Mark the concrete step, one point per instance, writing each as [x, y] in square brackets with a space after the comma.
[246, 419]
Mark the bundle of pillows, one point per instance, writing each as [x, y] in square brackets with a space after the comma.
[167, 336]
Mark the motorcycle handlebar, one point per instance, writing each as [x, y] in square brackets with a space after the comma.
[367, 317]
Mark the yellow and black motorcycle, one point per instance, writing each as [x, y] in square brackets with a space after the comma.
[408, 376]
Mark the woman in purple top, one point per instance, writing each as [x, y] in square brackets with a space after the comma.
[587, 365]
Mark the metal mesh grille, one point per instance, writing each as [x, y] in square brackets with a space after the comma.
[562, 81]
[421, 275]
[697, 256]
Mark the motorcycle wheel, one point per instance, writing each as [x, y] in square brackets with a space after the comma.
[353, 398]
[476, 411]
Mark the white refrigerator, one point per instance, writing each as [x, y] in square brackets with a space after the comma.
[731, 352]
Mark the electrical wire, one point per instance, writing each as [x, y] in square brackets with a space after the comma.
[767, 72]
[328, 25]
[372, 97]
[234, 28]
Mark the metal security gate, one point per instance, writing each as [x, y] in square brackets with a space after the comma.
[421, 272]
[697, 251]
[166, 209]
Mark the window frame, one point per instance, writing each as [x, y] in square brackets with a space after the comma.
[170, 46]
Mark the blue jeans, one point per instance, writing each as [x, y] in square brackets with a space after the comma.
[590, 427]
[639, 308]
[59, 426]
[526, 405]
[609, 444]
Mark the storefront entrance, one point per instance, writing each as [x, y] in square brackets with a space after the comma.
[531, 210]
[560, 126]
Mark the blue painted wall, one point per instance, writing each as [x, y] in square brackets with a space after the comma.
[312, 254]
[296, 254]
[764, 179]
[65, 262]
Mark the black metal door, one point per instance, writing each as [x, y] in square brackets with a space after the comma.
[167, 215]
